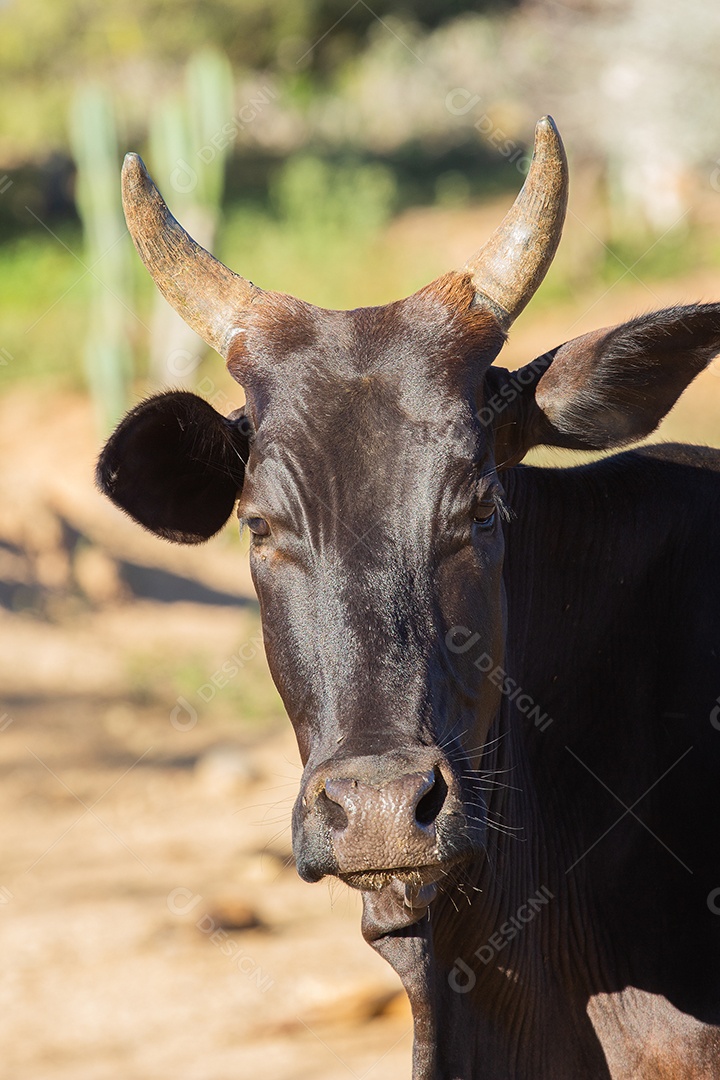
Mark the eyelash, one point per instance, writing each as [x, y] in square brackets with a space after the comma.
[499, 508]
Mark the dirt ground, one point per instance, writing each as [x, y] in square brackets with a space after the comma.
[152, 924]
[132, 852]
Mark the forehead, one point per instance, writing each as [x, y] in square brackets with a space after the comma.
[408, 361]
[364, 410]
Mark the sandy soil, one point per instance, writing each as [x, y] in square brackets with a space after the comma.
[131, 850]
[152, 924]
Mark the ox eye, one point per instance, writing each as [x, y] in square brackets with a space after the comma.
[258, 526]
[485, 516]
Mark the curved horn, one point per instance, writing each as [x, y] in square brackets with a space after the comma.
[208, 296]
[511, 265]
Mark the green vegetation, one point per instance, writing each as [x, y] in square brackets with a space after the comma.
[322, 249]
[44, 307]
[328, 249]
[46, 45]
[676, 253]
[292, 139]
[321, 237]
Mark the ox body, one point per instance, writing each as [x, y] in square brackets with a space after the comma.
[503, 679]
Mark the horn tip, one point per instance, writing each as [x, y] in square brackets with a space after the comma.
[546, 123]
[547, 135]
[549, 144]
[136, 183]
[134, 168]
[132, 161]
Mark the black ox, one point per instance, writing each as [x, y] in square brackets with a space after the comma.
[504, 680]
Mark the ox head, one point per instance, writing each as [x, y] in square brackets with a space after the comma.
[368, 464]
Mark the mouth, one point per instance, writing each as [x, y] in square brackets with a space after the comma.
[374, 880]
[395, 899]
[413, 878]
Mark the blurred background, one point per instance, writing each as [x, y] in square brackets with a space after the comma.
[151, 921]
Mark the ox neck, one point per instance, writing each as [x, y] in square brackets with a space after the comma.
[511, 968]
[476, 974]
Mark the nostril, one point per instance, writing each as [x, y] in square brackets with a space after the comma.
[432, 801]
[332, 812]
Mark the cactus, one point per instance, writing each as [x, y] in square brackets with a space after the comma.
[209, 92]
[190, 168]
[108, 358]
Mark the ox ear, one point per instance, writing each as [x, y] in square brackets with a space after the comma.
[604, 389]
[176, 466]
